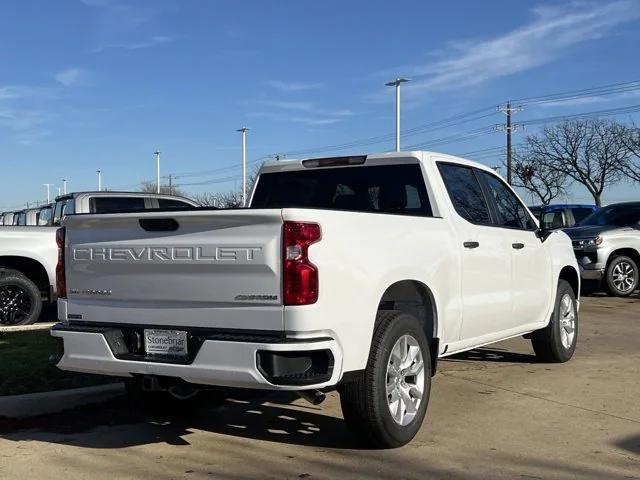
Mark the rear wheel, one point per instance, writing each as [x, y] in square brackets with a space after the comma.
[557, 341]
[622, 276]
[386, 404]
[20, 299]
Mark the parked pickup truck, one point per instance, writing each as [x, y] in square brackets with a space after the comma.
[28, 254]
[353, 273]
[607, 246]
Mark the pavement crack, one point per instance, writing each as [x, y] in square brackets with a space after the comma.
[531, 395]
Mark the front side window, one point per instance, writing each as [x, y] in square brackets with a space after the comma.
[551, 220]
[511, 212]
[465, 193]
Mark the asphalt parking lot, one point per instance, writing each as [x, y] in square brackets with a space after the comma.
[494, 413]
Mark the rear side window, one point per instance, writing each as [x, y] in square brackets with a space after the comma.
[511, 212]
[171, 203]
[581, 213]
[20, 219]
[62, 208]
[116, 204]
[397, 189]
[465, 193]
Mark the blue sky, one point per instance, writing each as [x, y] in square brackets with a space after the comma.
[90, 84]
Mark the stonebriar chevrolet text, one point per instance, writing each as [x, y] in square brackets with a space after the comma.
[350, 273]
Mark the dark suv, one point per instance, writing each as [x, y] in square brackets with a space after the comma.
[552, 217]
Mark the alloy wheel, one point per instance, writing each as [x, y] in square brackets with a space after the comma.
[405, 380]
[15, 305]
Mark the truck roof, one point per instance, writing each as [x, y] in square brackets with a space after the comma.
[110, 193]
[374, 159]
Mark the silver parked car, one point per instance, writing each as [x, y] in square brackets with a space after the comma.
[607, 246]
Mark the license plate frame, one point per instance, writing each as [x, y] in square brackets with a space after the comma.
[165, 342]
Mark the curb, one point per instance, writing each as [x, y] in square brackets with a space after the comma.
[27, 328]
[34, 404]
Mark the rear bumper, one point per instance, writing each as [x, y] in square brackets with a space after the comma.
[244, 364]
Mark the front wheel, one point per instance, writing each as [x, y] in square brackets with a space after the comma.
[386, 404]
[622, 276]
[20, 299]
[557, 341]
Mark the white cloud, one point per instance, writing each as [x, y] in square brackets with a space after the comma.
[552, 32]
[137, 45]
[70, 76]
[294, 86]
[300, 112]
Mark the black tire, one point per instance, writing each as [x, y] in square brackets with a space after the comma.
[548, 342]
[364, 400]
[20, 299]
[618, 267]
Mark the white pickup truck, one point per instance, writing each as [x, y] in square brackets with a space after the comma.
[28, 253]
[353, 273]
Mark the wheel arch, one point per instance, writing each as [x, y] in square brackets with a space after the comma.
[627, 252]
[415, 298]
[30, 268]
[571, 275]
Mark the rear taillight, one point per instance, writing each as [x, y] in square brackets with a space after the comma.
[61, 281]
[300, 276]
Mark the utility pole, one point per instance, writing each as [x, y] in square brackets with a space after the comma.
[157, 154]
[64, 186]
[48, 185]
[396, 83]
[509, 127]
[99, 172]
[244, 131]
[170, 185]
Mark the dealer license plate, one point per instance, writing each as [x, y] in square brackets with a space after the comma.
[165, 342]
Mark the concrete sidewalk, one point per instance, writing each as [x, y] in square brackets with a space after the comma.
[27, 328]
[34, 404]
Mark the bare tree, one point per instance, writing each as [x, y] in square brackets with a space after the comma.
[590, 152]
[533, 174]
[631, 139]
[150, 187]
[230, 199]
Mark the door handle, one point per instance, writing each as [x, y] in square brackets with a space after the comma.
[471, 244]
[518, 245]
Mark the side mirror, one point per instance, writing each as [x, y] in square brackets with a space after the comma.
[543, 233]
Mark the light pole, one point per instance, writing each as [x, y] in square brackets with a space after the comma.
[396, 83]
[157, 154]
[59, 191]
[48, 185]
[99, 172]
[244, 131]
[64, 186]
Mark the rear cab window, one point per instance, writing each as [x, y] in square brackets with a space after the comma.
[115, 204]
[391, 189]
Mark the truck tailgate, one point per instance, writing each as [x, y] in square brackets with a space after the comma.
[202, 268]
